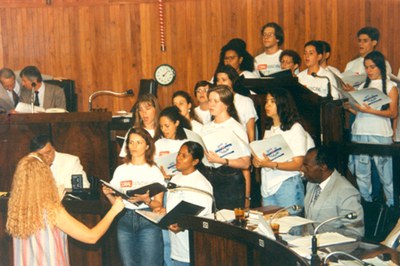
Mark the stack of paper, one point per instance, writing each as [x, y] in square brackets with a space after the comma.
[324, 239]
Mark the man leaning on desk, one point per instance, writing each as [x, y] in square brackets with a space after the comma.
[62, 165]
[329, 194]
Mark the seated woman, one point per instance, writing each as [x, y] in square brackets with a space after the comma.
[281, 183]
[184, 102]
[139, 240]
[187, 162]
[38, 222]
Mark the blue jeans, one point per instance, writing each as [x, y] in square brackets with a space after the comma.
[362, 168]
[291, 192]
[180, 263]
[139, 240]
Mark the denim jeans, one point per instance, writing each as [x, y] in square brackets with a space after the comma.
[362, 168]
[291, 192]
[180, 263]
[139, 240]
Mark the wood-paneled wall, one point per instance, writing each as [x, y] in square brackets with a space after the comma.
[112, 44]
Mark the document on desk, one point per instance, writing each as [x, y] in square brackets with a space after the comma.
[287, 222]
[373, 261]
[223, 215]
[324, 239]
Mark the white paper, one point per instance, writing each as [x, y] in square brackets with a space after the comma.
[324, 239]
[353, 79]
[371, 96]
[223, 215]
[168, 162]
[264, 228]
[287, 222]
[275, 147]
[27, 108]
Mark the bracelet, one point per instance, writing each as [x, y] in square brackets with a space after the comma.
[276, 166]
[226, 162]
[148, 204]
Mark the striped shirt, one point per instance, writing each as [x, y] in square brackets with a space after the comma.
[46, 247]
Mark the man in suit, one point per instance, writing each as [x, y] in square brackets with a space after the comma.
[62, 165]
[9, 90]
[329, 194]
[46, 95]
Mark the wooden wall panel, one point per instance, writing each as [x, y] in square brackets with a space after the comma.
[112, 44]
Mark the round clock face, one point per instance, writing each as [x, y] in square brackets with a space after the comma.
[164, 74]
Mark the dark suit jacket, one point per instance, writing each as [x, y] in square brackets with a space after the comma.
[339, 197]
[54, 97]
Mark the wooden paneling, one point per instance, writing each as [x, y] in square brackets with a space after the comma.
[112, 44]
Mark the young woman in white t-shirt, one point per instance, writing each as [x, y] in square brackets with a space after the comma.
[281, 183]
[184, 102]
[139, 240]
[200, 91]
[374, 126]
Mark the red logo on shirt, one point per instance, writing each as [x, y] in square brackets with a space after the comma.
[262, 67]
[127, 183]
[162, 153]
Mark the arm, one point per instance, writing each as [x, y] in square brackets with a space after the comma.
[81, 232]
[294, 165]
[391, 112]
[250, 129]
[239, 163]
[154, 203]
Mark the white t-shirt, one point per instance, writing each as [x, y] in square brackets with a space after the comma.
[357, 66]
[180, 241]
[268, 64]
[167, 146]
[122, 152]
[319, 85]
[196, 126]
[374, 125]
[205, 116]
[299, 142]
[129, 176]
[334, 70]
[245, 109]
[230, 124]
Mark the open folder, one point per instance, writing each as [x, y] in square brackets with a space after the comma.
[173, 216]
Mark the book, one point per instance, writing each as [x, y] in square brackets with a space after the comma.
[353, 79]
[117, 192]
[275, 147]
[173, 216]
[27, 108]
[168, 162]
[224, 142]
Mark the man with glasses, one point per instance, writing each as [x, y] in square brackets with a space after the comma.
[272, 37]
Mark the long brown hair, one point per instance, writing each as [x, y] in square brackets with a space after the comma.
[34, 199]
[146, 99]
[226, 97]
[149, 154]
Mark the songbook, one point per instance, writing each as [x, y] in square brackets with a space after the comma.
[168, 162]
[173, 216]
[225, 143]
[275, 147]
[27, 108]
[353, 79]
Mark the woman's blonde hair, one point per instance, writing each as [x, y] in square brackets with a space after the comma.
[34, 198]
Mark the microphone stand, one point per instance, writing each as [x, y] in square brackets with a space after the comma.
[103, 92]
[175, 187]
[314, 245]
[315, 75]
[345, 254]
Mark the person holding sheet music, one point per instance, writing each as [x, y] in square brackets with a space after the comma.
[188, 162]
[37, 220]
[146, 111]
[281, 183]
[374, 126]
[231, 189]
[184, 102]
[139, 240]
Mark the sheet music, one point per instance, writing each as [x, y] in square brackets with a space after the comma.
[275, 147]
[168, 162]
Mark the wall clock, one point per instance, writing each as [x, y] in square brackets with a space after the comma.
[165, 74]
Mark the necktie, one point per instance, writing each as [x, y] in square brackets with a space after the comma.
[317, 191]
[36, 103]
[15, 98]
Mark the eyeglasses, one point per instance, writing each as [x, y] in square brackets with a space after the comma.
[201, 90]
[229, 58]
[268, 34]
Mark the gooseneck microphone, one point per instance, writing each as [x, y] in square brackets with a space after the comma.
[326, 259]
[173, 187]
[293, 207]
[106, 92]
[314, 244]
[315, 75]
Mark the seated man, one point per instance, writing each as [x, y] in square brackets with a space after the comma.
[62, 165]
[9, 90]
[46, 95]
[329, 194]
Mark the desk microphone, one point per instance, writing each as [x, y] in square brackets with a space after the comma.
[347, 255]
[97, 93]
[174, 187]
[314, 245]
[293, 207]
[315, 75]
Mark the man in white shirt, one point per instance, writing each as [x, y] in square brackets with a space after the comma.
[272, 37]
[62, 165]
[9, 90]
[368, 38]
